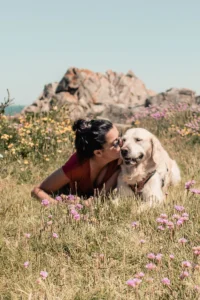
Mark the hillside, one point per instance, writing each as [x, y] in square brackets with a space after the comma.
[108, 252]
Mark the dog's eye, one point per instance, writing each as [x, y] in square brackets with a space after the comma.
[123, 140]
[138, 140]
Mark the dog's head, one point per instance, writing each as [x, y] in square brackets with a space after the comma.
[139, 145]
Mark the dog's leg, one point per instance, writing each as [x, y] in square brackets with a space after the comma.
[122, 190]
[175, 173]
[152, 191]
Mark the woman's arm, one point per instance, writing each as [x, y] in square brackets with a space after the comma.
[54, 182]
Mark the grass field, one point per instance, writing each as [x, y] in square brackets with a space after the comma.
[110, 252]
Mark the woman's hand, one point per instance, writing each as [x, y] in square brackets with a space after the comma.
[51, 184]
[39, 194]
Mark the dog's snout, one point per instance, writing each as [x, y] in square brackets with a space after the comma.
[124, 152]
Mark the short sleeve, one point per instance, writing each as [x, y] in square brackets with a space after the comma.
[70, 165]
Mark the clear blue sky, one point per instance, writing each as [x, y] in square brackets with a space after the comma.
[158, 40]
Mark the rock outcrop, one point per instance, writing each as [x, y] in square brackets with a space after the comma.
[172, 96]
[93, 94]
[114, 96]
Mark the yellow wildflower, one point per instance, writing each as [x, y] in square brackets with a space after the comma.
[5, 137]
[137, 122]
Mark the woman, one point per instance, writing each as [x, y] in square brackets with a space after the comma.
[94, 165]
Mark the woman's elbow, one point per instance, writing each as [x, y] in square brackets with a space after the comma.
[35, 191]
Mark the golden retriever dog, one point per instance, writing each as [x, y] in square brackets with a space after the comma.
[146, 170]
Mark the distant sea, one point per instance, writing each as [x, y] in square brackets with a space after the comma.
[14, 109]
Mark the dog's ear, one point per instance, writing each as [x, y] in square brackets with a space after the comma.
[157, 150]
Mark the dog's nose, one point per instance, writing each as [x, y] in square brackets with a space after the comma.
[124, 152]
[141, 156]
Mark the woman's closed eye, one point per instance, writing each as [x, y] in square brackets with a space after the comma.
[117, 143]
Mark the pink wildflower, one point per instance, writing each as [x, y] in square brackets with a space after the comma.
[186, 264]
[27, 235]
[73, 212]
[135, 224]
[38, 281]
[184, 274]
[171, 256]
[161, 228]
[151, 256]
[161, 220]
[26, 264]
[140, 275]
[196, 250]
[197, 267]
[79, 206]
[182, 241]
[163, 216]
[55, 235]
[165, 281]
[179, 222]
[197, 288]
[159, 257]
[49, 222]
[101, 256]
[71, 197]
[58, 198]
[170, 225]
[142, 241]
[165, 221]
[179, 207]
[175, 216]
[151, 266]
[50, 216]
[185, 215]
[195, 191]
[189, 184]
[43, 274]
[133, 282]
[77, 217]
[158, 115]
[45, 202]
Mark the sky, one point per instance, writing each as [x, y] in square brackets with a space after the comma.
[39, 40]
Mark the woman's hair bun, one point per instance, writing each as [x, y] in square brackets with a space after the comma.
[81, 126]
[90, 136]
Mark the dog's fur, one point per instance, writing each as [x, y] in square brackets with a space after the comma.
[142, 154]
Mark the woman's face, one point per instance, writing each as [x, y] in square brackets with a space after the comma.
[111, 149]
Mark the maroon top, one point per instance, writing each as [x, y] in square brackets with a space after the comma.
[79, 175]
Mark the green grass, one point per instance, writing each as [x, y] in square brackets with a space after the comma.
[93, 258]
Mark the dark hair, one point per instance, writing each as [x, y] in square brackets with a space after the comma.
[90, 136]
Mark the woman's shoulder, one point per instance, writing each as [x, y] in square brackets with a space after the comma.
[72, 161]
[73, 166]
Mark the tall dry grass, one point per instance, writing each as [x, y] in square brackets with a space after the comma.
[93, 258]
